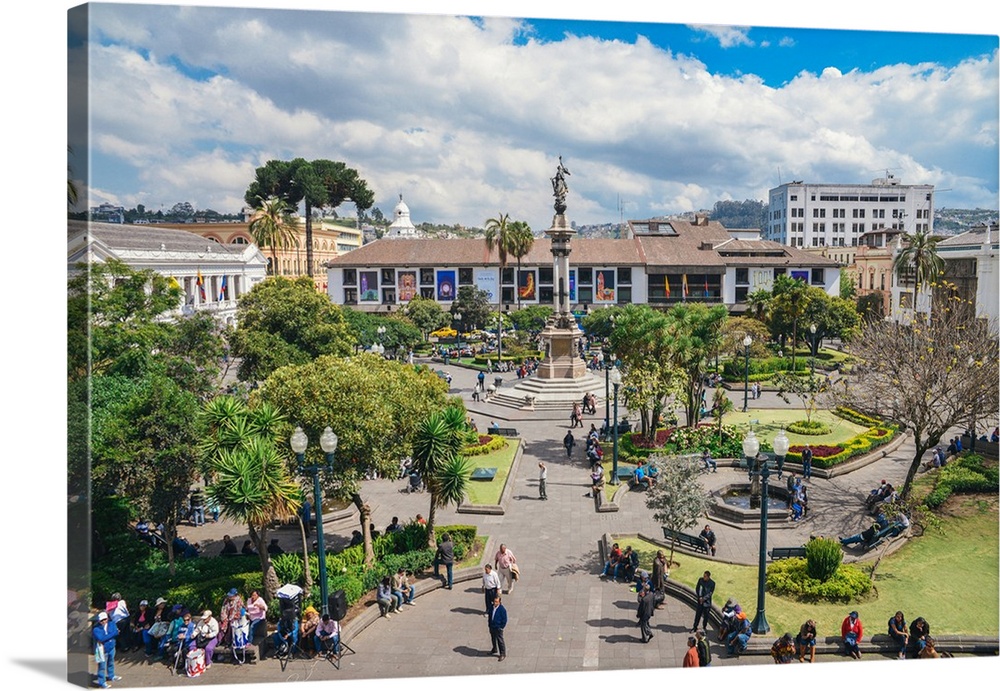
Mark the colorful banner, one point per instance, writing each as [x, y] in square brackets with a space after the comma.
[446, 285]
[407, 281]
[604, 290]
[684, 284]
[486, 281]
[666, 286]
[572, 286]
[368, 290]
[224, 290]
[201, 285]
[800, 275]
[526, 284]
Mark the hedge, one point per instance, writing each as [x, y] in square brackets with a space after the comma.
[966, 475]
[495, 443]
[736, 369]
[790, 577]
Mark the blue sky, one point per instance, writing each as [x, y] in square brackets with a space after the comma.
[466, 114]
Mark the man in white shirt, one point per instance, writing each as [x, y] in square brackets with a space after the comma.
[543, 473]
[491, 586]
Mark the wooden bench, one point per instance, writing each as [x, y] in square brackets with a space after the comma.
[504, 431]
[786, 552]
[685, 540]
[486, 474]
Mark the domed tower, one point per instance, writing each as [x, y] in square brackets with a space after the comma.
[402, 226]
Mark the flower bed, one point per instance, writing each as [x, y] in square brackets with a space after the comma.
[487, 444]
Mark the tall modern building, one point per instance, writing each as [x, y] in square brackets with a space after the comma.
[804, 215]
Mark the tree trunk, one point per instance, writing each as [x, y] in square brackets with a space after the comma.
[168, 534]
[270, 576]
[307, 572]
[431, 512]
[365, 512]
[921, 449]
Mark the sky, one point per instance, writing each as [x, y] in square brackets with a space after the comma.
[475, 177]
[465, 115]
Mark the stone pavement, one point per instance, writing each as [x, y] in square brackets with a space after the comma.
[562, 616]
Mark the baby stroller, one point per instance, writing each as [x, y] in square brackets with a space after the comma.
[415, 482]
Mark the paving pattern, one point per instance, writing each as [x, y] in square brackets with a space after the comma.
[563, 617]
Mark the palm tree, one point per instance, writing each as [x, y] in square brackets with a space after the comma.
[251, 480]
[758, 303]
[436, 455]
[521, 240]
[498, 236]
[921, 255]
[272, 226]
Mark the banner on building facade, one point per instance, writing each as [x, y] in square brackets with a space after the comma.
[446, 285]
[604, 290]
[800, 275]
[407, 281]
[368, 290]
[526, 284]
[486, 281]
[572, 286]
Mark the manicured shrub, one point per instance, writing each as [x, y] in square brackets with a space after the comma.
[823, 557]
[809, 427]
[487, 443]
[790, 577]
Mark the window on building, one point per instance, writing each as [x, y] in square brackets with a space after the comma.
[350, 296]
[625, 277]
[350, 277]
[545, 275]
[871, 281]
[465, 276]
[427, 278]
[389, 276]
[624, 295]
[818, 277]
[427, 293]
[239, 240]
[507, 276]
[585, 294]
[586, 277]
[507, 294]
[793, 197]
[780, 271]
[545, 294]
[882, 282]
[388, 296]
[742, 277]
[741, 294]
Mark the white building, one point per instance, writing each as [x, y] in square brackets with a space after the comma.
[226, 271]
[402, 226]
[971, 264]
[804, 215]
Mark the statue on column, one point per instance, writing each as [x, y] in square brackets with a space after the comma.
[559, 187]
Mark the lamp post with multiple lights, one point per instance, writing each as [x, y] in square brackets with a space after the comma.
[328, 442]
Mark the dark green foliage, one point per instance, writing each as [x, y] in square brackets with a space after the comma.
[823, 557]
[733, 370]
[750, 213]
[809, 427]
[790, 577]
[969, 474]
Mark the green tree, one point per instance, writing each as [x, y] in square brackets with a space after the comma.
[531, 319]
[848, 289]
[519, 242]
[437, 447]
[374, 406]
[697, 333]
[789, 302]
[834, 317]
[721, 404]
[251, 482]
[286, 322]
[920, 258]
[472, 303]
[736, 329]
[759, 305]
[677, 500]
[498, 236]
[272, 225]
[319, 184]
[399, 333]
[426, 315]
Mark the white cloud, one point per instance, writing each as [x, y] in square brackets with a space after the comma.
[466, 122]
[727, 36]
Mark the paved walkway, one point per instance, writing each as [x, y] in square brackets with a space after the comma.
[562, 616]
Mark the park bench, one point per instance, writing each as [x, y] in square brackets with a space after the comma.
[685, 540]
[625, 473]
[786, 552]
[486, 474]
[152, 538]
[504, 431]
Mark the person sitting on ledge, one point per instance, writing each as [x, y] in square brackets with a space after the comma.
[920, 633]
[783, 650]
[614, 559]
[596, 480]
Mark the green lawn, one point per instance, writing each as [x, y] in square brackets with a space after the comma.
[948, 576]
[770, 420]
[483, 492]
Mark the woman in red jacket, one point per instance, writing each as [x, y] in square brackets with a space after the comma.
[851, 631]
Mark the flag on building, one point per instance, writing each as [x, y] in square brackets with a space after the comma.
[224, 291]
[173, 283]
[201, 285]
[684, 284]
[706, 286]
[666, 286]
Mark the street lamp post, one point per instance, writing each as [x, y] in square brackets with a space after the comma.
[780, 446]
[616, 380]
[812, 342]
[606, 364]
[458, 318]
[759, 467]
[746, 369]
[328, 442]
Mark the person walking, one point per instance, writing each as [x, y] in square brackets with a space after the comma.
[543, 473]
[807, 462]
[645, 612]
[569, 442]
[445, 555]
[660, 574]
[704, 591]
[691, 656]
[491, 586]
[506, 563]
[497, 622]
